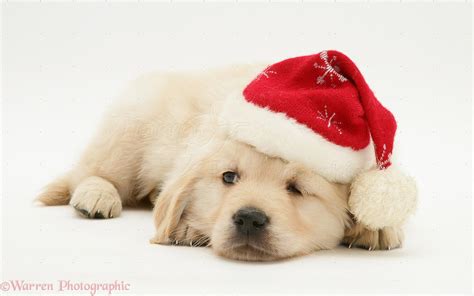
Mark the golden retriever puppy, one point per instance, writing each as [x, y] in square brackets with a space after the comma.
[250, 206]
[163, 142]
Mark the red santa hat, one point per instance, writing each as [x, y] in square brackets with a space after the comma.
[318, 110]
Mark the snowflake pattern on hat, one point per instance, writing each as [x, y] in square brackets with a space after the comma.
[266, 73]
[330, 119]
[331, 70]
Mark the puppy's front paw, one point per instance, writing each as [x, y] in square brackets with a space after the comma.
[97, 200]
[183, 235]
[384, 239]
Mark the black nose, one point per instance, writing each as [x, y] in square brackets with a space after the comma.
[250, 220]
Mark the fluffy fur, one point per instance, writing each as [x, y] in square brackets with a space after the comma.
[164, 142]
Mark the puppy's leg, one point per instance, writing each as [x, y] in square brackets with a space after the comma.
[383, 239]
[186, 235]
[96, 197]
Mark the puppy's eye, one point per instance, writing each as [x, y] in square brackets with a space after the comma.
[230, 177]
[291, 188]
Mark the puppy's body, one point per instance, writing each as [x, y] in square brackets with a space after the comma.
[144, 136]
[163, 140]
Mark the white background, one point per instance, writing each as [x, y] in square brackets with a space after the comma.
[63, 64]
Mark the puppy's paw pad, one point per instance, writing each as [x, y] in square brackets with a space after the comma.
[97, 204]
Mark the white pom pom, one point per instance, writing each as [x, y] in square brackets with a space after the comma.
[382, 198]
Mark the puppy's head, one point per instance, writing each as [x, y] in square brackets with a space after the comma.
[249, 206]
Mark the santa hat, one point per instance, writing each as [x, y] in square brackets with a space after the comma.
[318, 110]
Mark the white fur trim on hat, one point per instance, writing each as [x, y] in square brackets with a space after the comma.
[382, 198]
[276, 134]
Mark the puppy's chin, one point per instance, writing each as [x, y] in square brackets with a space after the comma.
[245, 252]
[238, 247]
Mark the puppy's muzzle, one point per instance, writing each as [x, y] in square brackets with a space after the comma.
[250, 221]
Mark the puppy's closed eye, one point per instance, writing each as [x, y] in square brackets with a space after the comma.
[292, 188]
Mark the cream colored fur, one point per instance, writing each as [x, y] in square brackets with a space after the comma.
[163, 142]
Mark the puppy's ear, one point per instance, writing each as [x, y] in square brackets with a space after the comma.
[170, 205]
